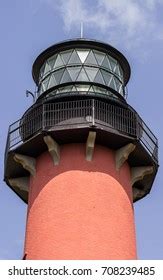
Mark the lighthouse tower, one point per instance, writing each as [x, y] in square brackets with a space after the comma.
[80, 156]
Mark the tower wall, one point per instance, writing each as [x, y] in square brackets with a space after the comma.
[80, 209]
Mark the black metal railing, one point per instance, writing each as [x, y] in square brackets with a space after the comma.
[90, 112]
[147, 139]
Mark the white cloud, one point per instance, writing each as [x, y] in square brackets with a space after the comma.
[130, 21]
[75, 11]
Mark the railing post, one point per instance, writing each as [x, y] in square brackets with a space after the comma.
[7, 146]
[43, 116]
[93, 112]
[137, 127]
[156, 157]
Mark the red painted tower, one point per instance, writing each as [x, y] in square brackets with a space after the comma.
[80, 155]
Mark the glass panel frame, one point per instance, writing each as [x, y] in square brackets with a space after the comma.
[91, 60]
[99, 56]
[52, 81]
[58, 75]
[106, 64]
[74, 72]
[65, 55]
[91, 72]
[47, 68]
[113, 62]
[82, 77]
[58, 62]
[106, 76]
[74, 59]
[82, 87]
[65, 77]
[52, 60]
[99, 79]
[83, 54]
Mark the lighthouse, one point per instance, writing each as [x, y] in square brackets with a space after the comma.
[80, 156]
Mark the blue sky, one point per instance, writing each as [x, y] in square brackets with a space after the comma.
[136, 29]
